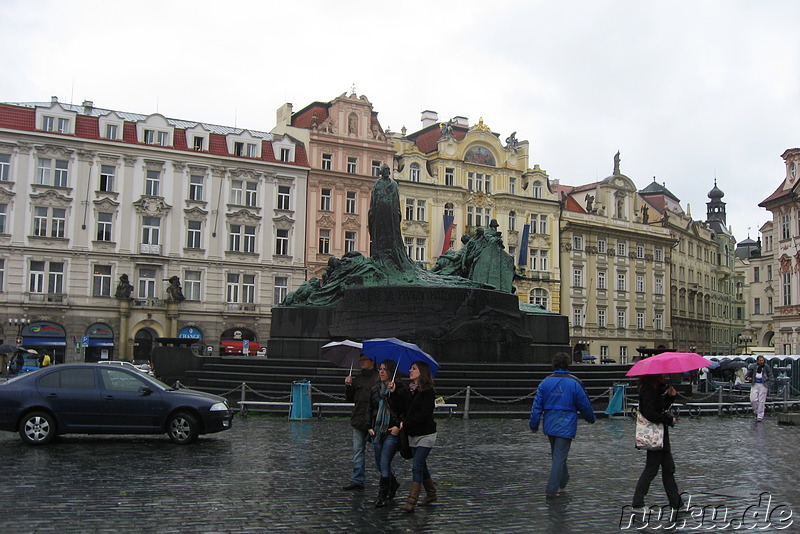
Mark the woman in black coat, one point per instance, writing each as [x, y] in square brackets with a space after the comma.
[654, 399]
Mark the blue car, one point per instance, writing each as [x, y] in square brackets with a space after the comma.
[86, 398]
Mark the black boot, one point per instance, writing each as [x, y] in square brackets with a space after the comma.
[394, 485]
[383, 493]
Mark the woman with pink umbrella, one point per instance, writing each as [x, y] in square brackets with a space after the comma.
[655, 397]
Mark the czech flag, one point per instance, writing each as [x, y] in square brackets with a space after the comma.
[523, 245]
[447, 221]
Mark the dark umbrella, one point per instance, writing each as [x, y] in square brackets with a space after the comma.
[5, 348]
[401, 352]
[342, 353]
[587, 357]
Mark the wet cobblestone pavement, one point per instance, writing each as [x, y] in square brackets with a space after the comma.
[271, 475]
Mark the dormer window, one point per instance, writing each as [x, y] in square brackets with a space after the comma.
[111, 126]
[55, 124]
[155, 130]
[241, 149]
[286, 155]
[155, 137]
[112, 132]
[284, 150]
[197, 143]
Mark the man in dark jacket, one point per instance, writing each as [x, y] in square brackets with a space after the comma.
[559, 399]
[357, 390]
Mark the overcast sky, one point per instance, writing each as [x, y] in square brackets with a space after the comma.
[686, 90]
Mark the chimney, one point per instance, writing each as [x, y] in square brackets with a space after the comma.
[461, 121]
[429, 117]
[54, 100]
[87, 106]
[284, 115]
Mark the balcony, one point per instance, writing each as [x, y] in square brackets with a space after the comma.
[55, 298]
[149, 303]
[241, 306]
[146, 248]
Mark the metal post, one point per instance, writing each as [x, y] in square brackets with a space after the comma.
[719, 401]
[786, 386]
[244, 386]
[466, 403]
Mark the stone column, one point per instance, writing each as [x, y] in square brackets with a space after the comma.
[124, 334]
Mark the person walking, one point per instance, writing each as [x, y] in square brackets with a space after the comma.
[384, 428]
[559, 399]
[357, 391]
[654, 399]
[414, 407]
[759, 374]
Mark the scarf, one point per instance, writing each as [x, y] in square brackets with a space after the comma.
[383, 415]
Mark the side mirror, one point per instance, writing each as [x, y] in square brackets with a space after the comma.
[145, 391]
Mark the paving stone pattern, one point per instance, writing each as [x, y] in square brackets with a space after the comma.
[271, 475]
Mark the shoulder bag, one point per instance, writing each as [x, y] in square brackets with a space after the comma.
[649, 435]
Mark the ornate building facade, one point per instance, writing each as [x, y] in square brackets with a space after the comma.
[454, 178]
[117, 227]
[616, 269]
[346, 146]
[784, 245]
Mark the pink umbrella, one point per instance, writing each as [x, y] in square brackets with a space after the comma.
[668, 362]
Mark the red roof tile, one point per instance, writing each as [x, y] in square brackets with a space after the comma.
[179, 139]
[88, 127]
[217, 144]
[17, 118]
[779, 193]
[305, 117]
[571, 205]
[129, 133]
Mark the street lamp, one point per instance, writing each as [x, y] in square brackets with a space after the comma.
[20, 323]
[744, 340]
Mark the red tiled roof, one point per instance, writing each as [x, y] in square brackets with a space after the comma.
[88, 127]
[656, 201]
[304, 117]
[179, 139]
[18, 118]
[217, 144]
[300, 156]
[267, 154]
[779, 193]
[129, 133]
[571, 205]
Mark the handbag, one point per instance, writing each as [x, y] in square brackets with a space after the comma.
[405, 448]
[649, 435]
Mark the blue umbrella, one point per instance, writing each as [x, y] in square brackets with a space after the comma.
[401, 352]
[587, 357]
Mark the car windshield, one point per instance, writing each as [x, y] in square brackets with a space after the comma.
[157, 382]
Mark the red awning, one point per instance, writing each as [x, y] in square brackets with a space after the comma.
[235, 347]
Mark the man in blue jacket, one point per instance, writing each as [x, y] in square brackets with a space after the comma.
[558, 399]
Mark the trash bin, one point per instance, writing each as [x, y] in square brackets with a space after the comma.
[301, 400]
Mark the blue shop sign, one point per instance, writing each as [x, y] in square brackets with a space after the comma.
[190, 333]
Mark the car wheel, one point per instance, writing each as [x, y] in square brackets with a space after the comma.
[37, 428]
[182, 428]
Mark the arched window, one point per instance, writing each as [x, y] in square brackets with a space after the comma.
[448, 209]
[539, 297]
[537, 189]
[414, 172]
[512, 221]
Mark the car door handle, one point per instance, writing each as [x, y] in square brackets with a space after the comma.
[108, 397]
[52, 396]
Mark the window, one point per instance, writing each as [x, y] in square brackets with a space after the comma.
[112, 132]
[577, 278]
[477, 181]
[640, 320]
[152, 183]
[769, 273]
[242, 235]
[107, 173]
[151, 230]
[409, 244]
[153, 137]
[420, 249]
[602, 246]
[286, 155]
[3, 218]
[101, 281]
[280, 290]
[450, 176]
[622, 248]
[577, 316]
[449, 209]
[63, 126]
[36, 281]
[55, 278]
[282, 243]
[659, 285]
[577, 242]
[756, 306]
[534, 223]
[237, 192]
[621, 317]
[512, 221]
[191, 285]
[601, 318]
[49, 124]
[658, 321]
[539, 297]
[352, 165]
[196, 185]
[623, 355]
[252, 150]
[57, 170]
[197, 142]
[54, 218]
[640, 283]
[543, 257]
[251, 194]
[603, 351]
[601, 280]
[420, 210]
[787, 289]
[785, 221]
[414, 172]
[756, 274]
[640, 252]
[5, 167]
[284, 196]
[232, 288]
[543, 224]
[194, 234]
[325, 200]
[241, 288]
[770, 308]
[410, 209]
[350, 202]
[376, 168]
[536, 189]
[104, 226]
[658, 254]
[324, 241]
[349, 241]
[477, 216]
[147, 283]
[69, 379]
[622, 282]
[327, 162]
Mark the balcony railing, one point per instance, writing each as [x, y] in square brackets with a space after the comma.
[241, 306]
[147, 248]
[56, 298]
[149, 303]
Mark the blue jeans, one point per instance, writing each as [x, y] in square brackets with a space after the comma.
[559, 474]
[359, 444]
[384, 448]
[419, 467]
